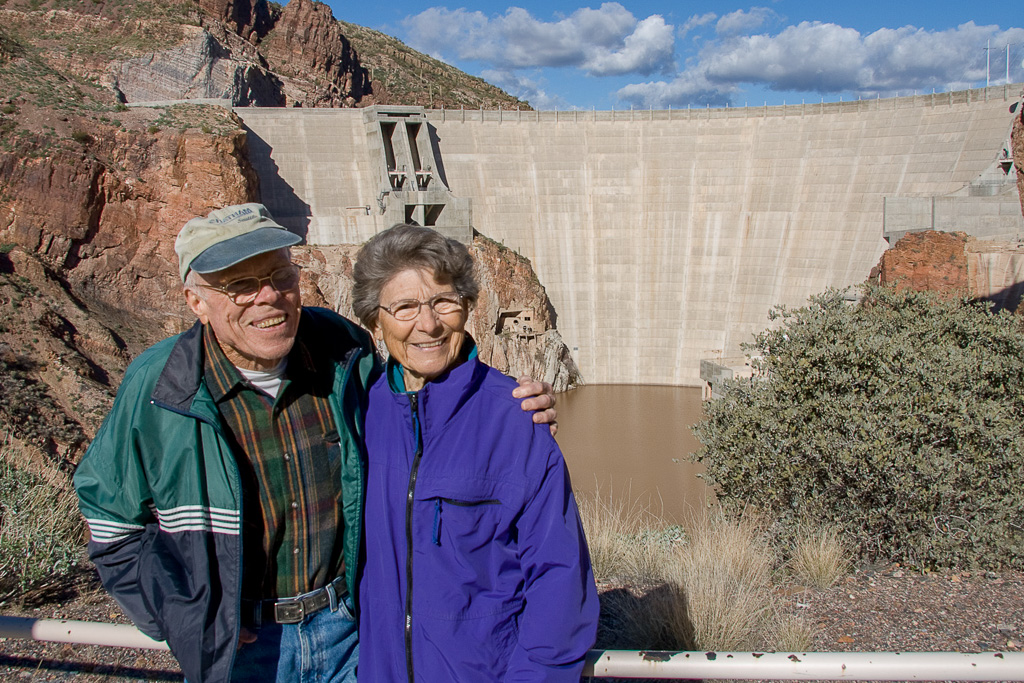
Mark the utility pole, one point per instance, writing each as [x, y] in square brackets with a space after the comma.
[988, 60]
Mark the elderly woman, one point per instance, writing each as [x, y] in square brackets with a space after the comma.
[476, 566]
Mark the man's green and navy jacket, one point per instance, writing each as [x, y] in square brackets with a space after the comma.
[161, 491]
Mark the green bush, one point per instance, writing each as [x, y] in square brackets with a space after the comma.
[40, 531]
[897, 419]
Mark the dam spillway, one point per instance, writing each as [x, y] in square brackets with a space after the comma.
[662, 237]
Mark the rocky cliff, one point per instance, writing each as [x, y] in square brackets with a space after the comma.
[1017, 145]
[958, 265]
[316, 63]
[248, 52]
[103, 216]
[87, 264]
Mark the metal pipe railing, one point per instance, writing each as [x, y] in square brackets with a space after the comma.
[82, 632]
[831, 666]
[650, 664]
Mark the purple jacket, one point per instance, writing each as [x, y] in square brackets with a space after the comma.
[499, 586]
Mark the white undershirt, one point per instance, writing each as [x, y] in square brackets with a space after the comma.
[267, 381]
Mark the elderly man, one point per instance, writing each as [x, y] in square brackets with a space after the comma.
[224, 491]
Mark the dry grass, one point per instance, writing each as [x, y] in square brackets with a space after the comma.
[725, 571]
[622, 545]
[820, 557]
[714, 587]
[790, 633]
[41, 531]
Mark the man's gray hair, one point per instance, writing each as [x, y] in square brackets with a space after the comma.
[194, 282]
[404, 247]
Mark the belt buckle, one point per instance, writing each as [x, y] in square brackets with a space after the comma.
[289, 611]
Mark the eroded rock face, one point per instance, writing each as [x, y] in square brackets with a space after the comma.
[106, 221]
[956, 264]
[59, 365]
[243, 53]
[203, 66]
[250, 20]
[318, 66]
[1017, 143]
[927, 260]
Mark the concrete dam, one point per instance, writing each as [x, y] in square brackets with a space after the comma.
[663, 237]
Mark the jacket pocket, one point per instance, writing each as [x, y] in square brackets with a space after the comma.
[441, 502]
[465, 550]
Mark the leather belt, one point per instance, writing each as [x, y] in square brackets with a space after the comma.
[293, 610]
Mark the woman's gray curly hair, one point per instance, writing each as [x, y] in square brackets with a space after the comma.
[404, 247]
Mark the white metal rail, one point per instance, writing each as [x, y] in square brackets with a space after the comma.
[832, 666]
[809, 666]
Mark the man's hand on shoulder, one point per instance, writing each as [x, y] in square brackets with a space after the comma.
[540, 398]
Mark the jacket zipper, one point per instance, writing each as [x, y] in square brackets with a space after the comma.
[418, 434]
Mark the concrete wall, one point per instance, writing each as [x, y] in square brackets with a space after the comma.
[663, 238]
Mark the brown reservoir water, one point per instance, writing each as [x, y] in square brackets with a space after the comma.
[633, 443]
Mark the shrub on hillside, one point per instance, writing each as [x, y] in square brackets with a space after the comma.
[897, 419]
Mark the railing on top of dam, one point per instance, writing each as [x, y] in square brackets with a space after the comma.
[1006, 93]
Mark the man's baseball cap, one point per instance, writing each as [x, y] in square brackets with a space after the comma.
[228, 236]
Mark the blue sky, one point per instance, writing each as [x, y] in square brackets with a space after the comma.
[659, 53]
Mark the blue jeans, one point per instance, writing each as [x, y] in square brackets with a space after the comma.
[322, 648]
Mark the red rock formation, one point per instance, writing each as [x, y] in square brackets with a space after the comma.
[927, 260]
[320, 68]
[106, 220]
[956, 264]
[249, 19]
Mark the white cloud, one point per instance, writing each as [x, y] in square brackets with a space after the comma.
[530, 90]
[649, 48]
[436, 30]
[696, 21]
[686, 89]
[601, 42]
[740, 22]
[827, 58]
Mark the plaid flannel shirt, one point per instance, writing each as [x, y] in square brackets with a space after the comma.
[289, 458]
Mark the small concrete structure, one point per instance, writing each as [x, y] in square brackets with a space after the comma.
[714, 373]
[988, 207]
[410, 173]
[518, 322]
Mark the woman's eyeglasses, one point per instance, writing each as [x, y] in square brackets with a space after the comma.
[405, 310]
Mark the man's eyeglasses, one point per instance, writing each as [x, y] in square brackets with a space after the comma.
[405, 310]
[244, 290]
